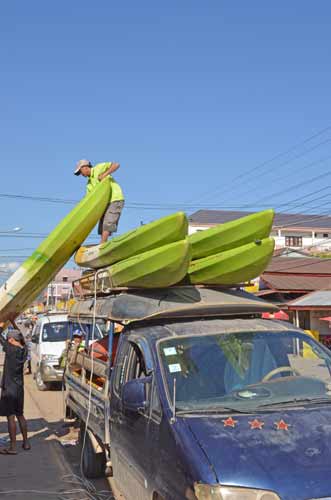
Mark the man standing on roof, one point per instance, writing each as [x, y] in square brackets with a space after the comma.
[109, 221]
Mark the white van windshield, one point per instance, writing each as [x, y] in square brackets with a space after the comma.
[55, 332]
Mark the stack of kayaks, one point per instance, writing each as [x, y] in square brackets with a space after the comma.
[158, 268]
[233, 252]
[161, 232]
[232, 266]
[161, 254]
[156, 255]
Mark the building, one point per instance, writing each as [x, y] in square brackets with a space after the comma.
[60, 289]
[295, 276]
[313, 312]
[289, 278]
[301, 286]
[289, 230]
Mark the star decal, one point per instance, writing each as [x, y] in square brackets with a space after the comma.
[256, 424]
[230, 422]
[282, 426]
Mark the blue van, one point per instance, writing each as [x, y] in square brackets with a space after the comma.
[206, 400]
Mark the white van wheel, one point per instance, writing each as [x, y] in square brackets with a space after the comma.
[41, 385]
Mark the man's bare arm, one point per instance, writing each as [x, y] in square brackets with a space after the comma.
[113, 167]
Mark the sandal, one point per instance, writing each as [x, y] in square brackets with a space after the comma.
[6, 451]
[26, 446]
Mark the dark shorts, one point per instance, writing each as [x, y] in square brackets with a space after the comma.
[12, 402]
[111, 216]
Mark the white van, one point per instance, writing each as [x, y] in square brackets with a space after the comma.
[48, 343]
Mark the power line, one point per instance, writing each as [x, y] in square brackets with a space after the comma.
[16, 249]
[309, 218]
[306, 195]
[249, 171]
[151, 206]
[295, 186]
[255, 184]
[16, 257]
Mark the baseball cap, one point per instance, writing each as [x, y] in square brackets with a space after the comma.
[77, 333]
[80, 164]
[14, 334]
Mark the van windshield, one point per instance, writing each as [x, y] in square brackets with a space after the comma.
[55, 332]
[246, 370]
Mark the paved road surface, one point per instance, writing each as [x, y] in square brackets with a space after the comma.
[42, 470]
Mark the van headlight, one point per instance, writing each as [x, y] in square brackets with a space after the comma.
[217, 492]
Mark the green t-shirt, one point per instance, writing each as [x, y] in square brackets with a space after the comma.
[116, 191]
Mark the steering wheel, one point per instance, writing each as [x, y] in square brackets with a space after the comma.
[280, 369]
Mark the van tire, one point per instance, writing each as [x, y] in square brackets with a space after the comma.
[93, 464]
[41, 385]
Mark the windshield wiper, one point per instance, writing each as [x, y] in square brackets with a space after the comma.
[296, 402]
[214, 409]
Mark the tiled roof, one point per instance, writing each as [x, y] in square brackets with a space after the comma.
[300, 265]
[292, 282]
[314, 221]
[291, 252]
[318, 298]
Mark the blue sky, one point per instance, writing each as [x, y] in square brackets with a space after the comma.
[186, 95]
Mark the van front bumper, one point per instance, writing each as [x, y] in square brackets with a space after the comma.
[51, 372]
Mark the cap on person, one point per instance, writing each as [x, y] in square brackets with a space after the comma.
[77, 333]
[14, 334]
[80, 164]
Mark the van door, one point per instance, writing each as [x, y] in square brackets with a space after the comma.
[35, 347]
[130, 431]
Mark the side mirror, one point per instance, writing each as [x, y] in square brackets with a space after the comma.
[34, 339]
[134, 394]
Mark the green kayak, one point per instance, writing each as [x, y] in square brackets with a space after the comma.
[231, 234]
[232, 266]
[158, 268]
[153, 235]
[24, 286]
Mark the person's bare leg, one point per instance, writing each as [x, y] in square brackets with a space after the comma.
[104, 236]
[12, 433]
[24, 430]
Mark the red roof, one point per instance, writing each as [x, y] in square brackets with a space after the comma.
[300, 265]
[296, 282]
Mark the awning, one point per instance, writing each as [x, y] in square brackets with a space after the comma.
[277, 315]
[327, 318]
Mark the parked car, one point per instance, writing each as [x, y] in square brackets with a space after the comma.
[49, 337]
[205, 401]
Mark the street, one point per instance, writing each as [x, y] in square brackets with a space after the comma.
[51, 468]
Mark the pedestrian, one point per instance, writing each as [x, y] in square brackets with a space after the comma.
[109, 221]
[28, 343]
[12, 388]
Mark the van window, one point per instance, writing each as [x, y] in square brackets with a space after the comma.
[121, 366]
[36, 333]
[136, 368]
[55, 332]
[86, 328]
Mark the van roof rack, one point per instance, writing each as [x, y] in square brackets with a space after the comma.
[127, 305]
